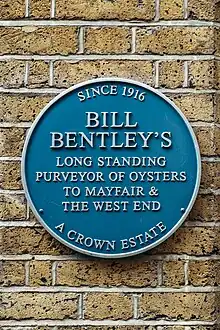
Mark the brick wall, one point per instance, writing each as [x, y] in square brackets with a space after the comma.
[49, 45]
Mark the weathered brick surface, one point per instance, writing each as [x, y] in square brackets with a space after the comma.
[217, 140]
[38, 40]
[206, 208]
[107, 40]
[105, 327]
[217, 114]
[97, 9]
[40, 273]
[21, 108]
[114, 306]
[198, 241]
[217, 11]
[171, 9]
[195, 106]
[12, 73]
[12, 9]
[207, 140]
[192, 241]
[38, 74]
[91, 273]
[12, 273]
[12, 176]
[171, 74]
[172, 327]
[11, 141]
[217, 40]
[187, 306]
[30, 241]
[201, 9]
[202, 273]
[210, 175]
[204, 327]
[107, 278]
[125, 327]
[68, 73]
[173, 273]
[217, 75]
[202, 74]
[46, 305]
[120, 327]
[12, 207]
[175, 40]
[40, 9]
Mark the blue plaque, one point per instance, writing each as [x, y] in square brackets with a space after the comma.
[111, 167]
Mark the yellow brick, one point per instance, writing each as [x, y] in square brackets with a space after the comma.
[98, 9]
[217, 38]
[201, 9]
[217, 140]
[12, 9]
[206, 139]
[105, 273]
[203, 273]
[12, 273]
[40, 273]
[12, 73]
[217, 114]
[38, 74]
[69, 73]
[205, 208]
[202, 74]
[38, 40]
[30, 241]
[217, 74]
[170, 327]
[12, 207]
[192, 241]
[195, 106]
[11, 141]
[175, 40]
[217, 11]
[108, 327]
[40, 8]
[171, 74]
[210, 175]
[20, 108]
[173, 273]
[217, 207]
[184, 306]
[114, 306]
[11, 178]
[107, 40]
[171, 9]
[44, 328]
[20, 306]
[204, 327]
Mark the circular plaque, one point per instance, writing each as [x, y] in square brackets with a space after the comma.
[111, 167]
